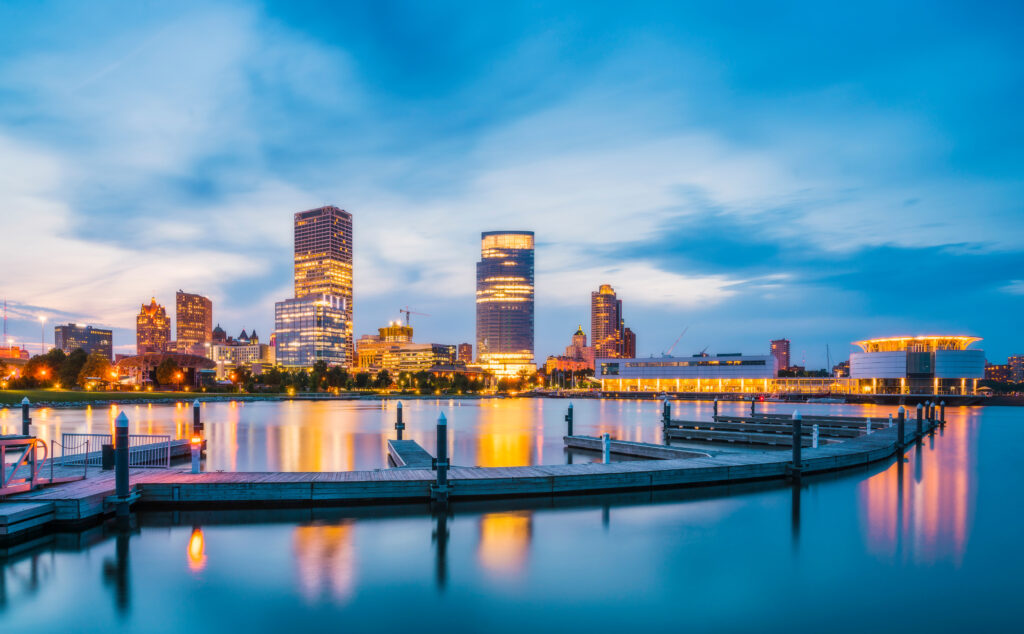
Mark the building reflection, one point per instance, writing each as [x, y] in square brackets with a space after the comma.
[505, 435]
[505, 542]
[325, 558]
[923, 513]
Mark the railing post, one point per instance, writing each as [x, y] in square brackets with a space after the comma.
[606, 448]
[568, 421]
[920, 421]
[399, 425]
[25, 420]
[942, 413]
[814, 436]
[798, 438]
[440, 490]
[121, 461]
[890, 420]
[197, 425]
[901, 417]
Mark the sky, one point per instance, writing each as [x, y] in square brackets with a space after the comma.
[743, 172]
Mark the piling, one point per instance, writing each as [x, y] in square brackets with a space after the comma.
[606, 448]
[752, 402]
[197, 425]
[868, 431]
[121, 486]
[196, 447]
[666, 414]
[920, 421]
[399, 425]
[25, 419]
[901, 416]
[715, 414]
[942, 413]
[814, 436]
[797, 443]
[568, 421]
[441, 464]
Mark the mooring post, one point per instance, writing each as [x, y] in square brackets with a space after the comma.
[666, 414]
[399, 425]
[121, 486]
[814, 436]
[196, 447]
[606, 448]
[197, 425]
[920, 421]
[798, 438]
[25, 420]
[942, 413]
[869, 427]
[715, 414]
[901, 417]
[752, 402]
[440, 491]
[568, 421]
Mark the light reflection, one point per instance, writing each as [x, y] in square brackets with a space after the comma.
[505, 541]
[325, 558]
[196, 550]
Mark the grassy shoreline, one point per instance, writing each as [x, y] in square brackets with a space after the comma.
[71, 398]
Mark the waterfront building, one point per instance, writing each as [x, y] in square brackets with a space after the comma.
[193, 325]
[392, 349]
[73, 336]
[323, 265]
[152, 329]
[504, 302]
[236, 354]
[1000, 373]
[310, 329]
[1016, 363]
[465, 354]
[780, 350]
[926, 364]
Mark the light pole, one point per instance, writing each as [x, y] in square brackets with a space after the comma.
[42, 334]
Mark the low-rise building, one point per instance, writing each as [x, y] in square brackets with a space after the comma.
[1000, 373]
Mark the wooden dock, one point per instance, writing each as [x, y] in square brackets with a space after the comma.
[86, 500]
[408, 454]
[634, 449]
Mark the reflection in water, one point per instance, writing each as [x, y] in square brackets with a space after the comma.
[115, 573]
[196, 550]
[505, 435]
[795, 514]
[440, 539]
[325, 556]
[926, 518]
[505, 541]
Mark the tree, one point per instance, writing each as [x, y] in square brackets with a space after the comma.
[337, 377]
[383, 380]
[72, 367]
[168, 372]
[95, 365]
[318, 377]
[362, 380]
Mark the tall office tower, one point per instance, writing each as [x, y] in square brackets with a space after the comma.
[606, 323]
[73, 336]
[628, 347]
[323, 266]
[152, 329]
[504, 302]
[193, 322]
[465, 354]
[780, 350]
[310, 329]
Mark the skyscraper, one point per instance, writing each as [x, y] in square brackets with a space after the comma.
[605, 322]
[152, 328]
[73, 336]
[193, 322]
[317, 324]
[780, 350]
[504, 302]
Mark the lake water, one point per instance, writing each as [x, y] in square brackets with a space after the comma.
[927, 543]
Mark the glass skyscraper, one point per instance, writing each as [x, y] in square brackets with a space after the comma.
[73, 336]
[310, 329]
[504, 302]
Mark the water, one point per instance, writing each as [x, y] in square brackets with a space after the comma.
[929, 544]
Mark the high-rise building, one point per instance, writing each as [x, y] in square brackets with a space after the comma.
[780, 350]
[193, 322]
[605, 321]
[628, 348]
[1016, 363]
[504, 302]
[323, 264]
[465, 353]
[152, 329]
[73, 336]
[310, 329]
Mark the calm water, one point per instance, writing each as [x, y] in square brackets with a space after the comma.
[930, 543]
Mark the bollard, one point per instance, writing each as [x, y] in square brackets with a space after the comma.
[666, 414]
[752, 402]
[196, 446]
[814, 436]
[25, 420]
[568, 421]
[606, 448]
[920, 421]
[798, 439]
[901, 416]
[869, 428]
[942, 413]
[197, 425]
[121, 461]
[399, 425]
[715, 414]
[441, 462]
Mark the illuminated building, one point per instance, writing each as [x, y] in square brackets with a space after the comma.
[14, 352]
[780, 350]
[919, 365]
[628, 348]
[504, 302]
[218, 335]
[323, 264]
[1016, 363]
[74, 336]
[152, 329]
[193, 322]
[311, 329]
[245, 351]
[1001, 373]
[141, 369]
[578, 355]
[609, 334]
[393, 350]
[465, 354]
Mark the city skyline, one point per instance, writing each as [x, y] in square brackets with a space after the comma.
[700, 176]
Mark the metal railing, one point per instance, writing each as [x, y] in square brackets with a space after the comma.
[144, 450]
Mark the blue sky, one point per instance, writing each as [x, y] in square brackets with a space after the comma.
[820, 173]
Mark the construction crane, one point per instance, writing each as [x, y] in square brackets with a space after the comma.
[669, 353]
[408, 311]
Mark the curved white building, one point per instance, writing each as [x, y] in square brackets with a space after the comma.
[925, 364]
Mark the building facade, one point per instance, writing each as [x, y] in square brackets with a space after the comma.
[605, 322]
[926, 364]
[780, 350]
[323, 265]
[504, 302]
[310, 329]
[465, 354]
[73, 336]
[193, 325]
[1016, 363]
[152, 329]
[1000, 373]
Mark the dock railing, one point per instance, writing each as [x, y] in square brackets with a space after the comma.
[144, 450]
